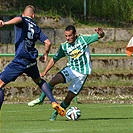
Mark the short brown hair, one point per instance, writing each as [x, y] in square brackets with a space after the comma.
[30, 8]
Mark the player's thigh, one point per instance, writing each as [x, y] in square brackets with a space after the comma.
[58, 78]
[33, 72]
[10, 73]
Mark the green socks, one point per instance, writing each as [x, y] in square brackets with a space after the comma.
[63, 105]
[42, 97]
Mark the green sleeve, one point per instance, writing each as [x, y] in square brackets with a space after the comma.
[59, 54]
[91, 38]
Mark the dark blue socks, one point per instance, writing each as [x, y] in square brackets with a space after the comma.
[43, 95]
[1, 97]
[45, 88]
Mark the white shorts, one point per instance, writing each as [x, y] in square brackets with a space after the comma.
[75, 78]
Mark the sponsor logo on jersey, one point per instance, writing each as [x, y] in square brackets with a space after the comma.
[75, 53]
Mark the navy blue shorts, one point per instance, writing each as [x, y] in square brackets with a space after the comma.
[15, 69]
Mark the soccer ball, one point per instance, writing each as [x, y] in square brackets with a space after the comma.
[73, 113]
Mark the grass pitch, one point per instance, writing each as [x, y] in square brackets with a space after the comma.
[95, 118]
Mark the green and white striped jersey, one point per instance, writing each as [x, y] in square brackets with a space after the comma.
[78, 53]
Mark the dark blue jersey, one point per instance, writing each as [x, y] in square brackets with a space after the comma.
[26, 34]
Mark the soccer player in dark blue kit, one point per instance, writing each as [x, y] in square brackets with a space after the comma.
[26, 34]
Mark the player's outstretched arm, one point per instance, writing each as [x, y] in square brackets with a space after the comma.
[11, 22]
[48, 67]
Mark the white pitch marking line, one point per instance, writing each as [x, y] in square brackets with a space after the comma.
[35, 131]
[113, 106]
[39, 110]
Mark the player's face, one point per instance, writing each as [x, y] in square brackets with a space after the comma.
[70, 36]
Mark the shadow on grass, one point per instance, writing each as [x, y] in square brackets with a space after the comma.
[81, 119]
[106, 118]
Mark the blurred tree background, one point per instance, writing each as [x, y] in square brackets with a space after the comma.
[112, 12]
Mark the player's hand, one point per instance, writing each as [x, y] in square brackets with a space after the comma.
[42, 74]
[100, 32]
[1, 23]
[43, 58]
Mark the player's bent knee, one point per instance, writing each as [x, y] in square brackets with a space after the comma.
[41, 82]
[2, 84]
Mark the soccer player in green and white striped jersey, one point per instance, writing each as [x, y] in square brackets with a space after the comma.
[76, 48]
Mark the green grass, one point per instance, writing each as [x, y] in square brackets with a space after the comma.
[95, 118]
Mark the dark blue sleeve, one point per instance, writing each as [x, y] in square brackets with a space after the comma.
[42, 37]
